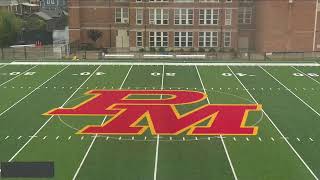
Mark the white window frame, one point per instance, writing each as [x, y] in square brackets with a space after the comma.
[154, 16]
[183, 39]
[183, 19]
[228, 17]
[139, 21]
[159, 39]
[209, 39]
[208, 16]
[158, 0]
[245, 15]
[211, 1]
[139, 39]
[184, 1]
[123, 18]
[227, 38]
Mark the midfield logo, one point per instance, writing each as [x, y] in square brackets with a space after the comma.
[163, 118]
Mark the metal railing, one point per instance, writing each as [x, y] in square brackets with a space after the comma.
[65, 52]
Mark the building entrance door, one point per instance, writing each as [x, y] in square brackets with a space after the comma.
[122, 39]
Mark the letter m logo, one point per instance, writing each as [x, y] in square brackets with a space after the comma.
[126, 112]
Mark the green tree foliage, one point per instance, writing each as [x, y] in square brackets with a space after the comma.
[34, 23]
[10, 26]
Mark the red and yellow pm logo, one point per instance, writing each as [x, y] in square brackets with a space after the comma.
[162, 115]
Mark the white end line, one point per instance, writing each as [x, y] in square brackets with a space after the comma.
[95, 137]
[35, 134]
[297, 154]
[224, 146]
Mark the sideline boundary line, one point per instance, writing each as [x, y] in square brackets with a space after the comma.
[35, 134]
[35, 89]
[224, 145]
[274, 125]
[166, 63]
[95, 137]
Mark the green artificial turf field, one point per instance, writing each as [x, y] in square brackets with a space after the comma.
[286, 146]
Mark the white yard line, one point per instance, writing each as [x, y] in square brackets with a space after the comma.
[274, 125]
[306, 75]
[291, 92]
[36, 133]
[224, 146]
[17, 76]
[95, 137]
[32, 91]
[4, 65]
[158, 137]
[185, 63]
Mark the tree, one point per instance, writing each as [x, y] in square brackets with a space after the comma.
[34, 23]
[94, 35]
[10, 26]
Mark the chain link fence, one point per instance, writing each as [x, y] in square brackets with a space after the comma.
[65, 53]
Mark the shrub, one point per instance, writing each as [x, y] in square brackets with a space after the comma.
[201, 50]
[213, 50]
[152, 49]
[191, 49]
[162, 49]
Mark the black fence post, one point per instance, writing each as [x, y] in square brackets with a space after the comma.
[13, 53]
[25, 53]
[2, 53]
[44, 52]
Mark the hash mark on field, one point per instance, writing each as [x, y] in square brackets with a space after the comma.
[19, 137]
[311, 139]
[7, 137]
[247, 139]
[298, 139]
[272, 138]
[234, 138]
[260, 139]
[69, 138]
[57, 137]
[45, 137]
